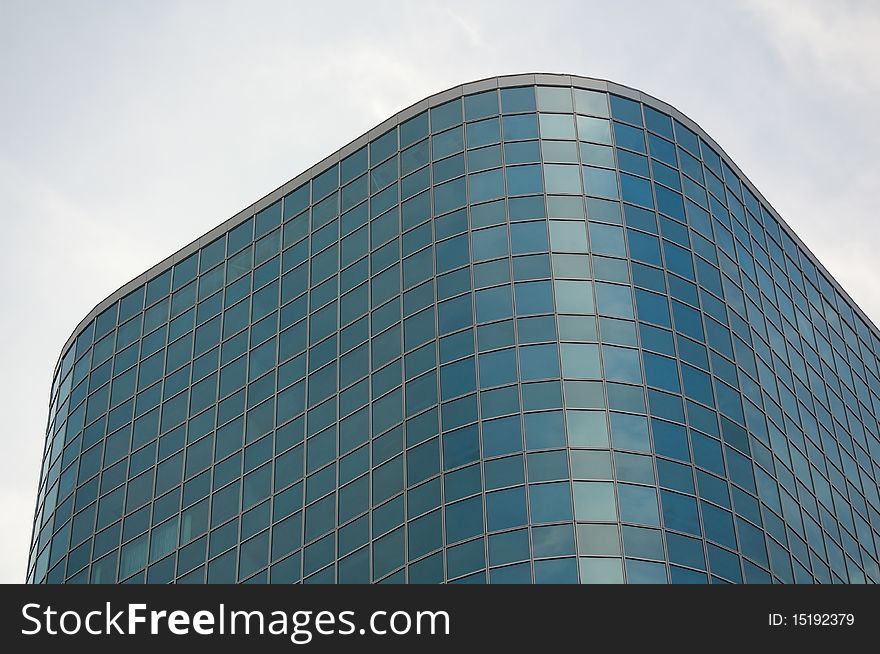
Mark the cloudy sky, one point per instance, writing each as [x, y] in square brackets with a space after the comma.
[129, 129]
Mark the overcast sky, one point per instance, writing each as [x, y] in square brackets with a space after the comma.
[129, 129]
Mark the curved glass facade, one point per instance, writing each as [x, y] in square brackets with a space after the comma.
[533, 329]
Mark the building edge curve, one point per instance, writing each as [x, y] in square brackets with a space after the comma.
[460, 90]
[424, 358]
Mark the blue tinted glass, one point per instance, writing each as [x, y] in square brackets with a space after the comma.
[628, 137]
[658, 122]
[480, 105]
[522, 180]
[445, 115]
[567, 342]
[413, 129]
[521, 126]
[518, 99]
[626, 110]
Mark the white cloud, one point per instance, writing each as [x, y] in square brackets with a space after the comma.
[835, 42]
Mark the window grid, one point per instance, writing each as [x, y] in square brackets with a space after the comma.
[792, 465]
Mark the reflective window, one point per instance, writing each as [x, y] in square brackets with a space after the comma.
[531, 334]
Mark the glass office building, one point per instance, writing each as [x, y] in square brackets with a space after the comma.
[536, 328]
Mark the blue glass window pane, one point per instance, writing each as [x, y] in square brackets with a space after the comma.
[480, 105]
[625, 109]
[523, 180]
[550, 502]
[518, 99]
